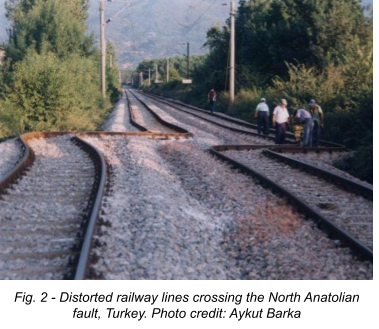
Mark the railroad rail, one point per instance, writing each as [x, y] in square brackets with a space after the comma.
[223, 120]
[81, 258]
[154, 114]
[357, 236]
[16, 176]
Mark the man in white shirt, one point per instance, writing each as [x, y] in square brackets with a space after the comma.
[280, 121]
[262, 112]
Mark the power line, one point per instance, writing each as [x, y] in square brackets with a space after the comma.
[198, 19]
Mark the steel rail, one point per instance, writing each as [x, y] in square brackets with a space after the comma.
[133, 121]
[94, 200]
[278, 148]
[158, 118]
[340, 181]
[170, 101]
[82, 268]
[323, 222]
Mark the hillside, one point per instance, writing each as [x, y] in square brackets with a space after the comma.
[154, 28]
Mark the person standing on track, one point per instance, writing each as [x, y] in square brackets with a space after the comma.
[212, 97]
[306, 120]
[262, 112]
[280, 121]
[318, 121]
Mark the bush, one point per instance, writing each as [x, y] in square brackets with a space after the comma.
[52, 93]
[10, 119]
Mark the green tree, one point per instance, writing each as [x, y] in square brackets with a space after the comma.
[59, 26]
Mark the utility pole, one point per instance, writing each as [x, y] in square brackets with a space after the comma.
[156, 73]
[102, 50]
[168, 71]
[140, 79]
[188, 59]
[232, 52]
[149, 77]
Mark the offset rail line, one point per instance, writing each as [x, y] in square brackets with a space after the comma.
[155, 123]
[321, 201]
[209, 118]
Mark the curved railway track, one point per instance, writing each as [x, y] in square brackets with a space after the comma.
[50, 203]
[339, 205]
[145, 118]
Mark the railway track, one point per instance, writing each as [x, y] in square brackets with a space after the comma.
[65, 244]
[120, 118]
[341, 206]
[146, 119]
[216, 120]
[50, 203]
[226, 121]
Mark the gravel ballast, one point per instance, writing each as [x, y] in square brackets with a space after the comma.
[174, 212]
[157, 231]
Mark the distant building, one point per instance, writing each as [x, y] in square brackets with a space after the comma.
[2, 54]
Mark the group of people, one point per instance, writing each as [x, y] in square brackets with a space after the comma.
[311, 120]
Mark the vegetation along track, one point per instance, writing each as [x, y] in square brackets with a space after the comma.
[146, 119]
[50, 202]
[339, 205]
[223, 120]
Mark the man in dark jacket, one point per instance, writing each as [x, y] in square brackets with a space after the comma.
[212, 97]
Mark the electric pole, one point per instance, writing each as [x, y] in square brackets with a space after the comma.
[188, 59]
[232, 52]
[102, 50]
[168, 71]
[149, 77]
[156, 73]
[140, 79]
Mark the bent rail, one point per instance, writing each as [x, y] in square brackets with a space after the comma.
[159, 119]
[95, 199]
[99, 190]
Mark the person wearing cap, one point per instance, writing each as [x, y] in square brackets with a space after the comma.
[318, 121]
[262, 112]
[280, 121]
[305, 118]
